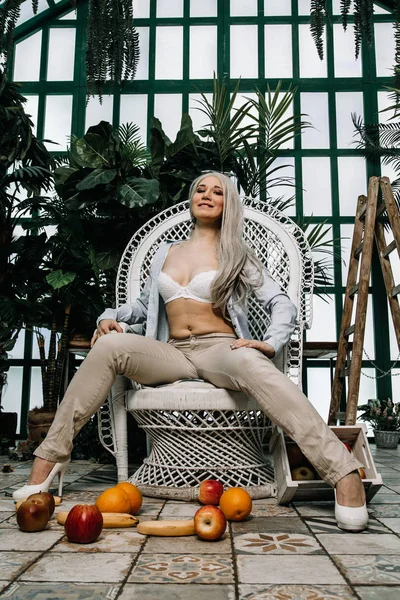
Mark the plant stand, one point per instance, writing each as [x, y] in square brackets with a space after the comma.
[386, 439]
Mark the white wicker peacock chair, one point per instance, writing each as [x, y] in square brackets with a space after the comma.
[198, 431]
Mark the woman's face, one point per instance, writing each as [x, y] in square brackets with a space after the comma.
[208, 200]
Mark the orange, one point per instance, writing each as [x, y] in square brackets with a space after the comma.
[134, 495]
[236, 504]
[114, 499]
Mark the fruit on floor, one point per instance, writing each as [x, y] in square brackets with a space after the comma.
[114, 499]
[47, 498]
[167, 528]
[303, 474]
[33, 515]
[134, 495]
[210, 491]
[110, 520]
[84, 524]
[209, 522]
[236, 504]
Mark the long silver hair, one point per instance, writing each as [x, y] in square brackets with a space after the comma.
[233, 252]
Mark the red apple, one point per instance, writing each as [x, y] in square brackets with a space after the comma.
[209, 522]
[33, 515]
[303, 474]
[84, 523]
[347, 446]
[210, 491]
[45, 497]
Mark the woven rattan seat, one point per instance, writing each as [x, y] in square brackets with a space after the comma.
[198, 431]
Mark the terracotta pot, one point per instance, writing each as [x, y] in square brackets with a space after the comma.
[39, 422]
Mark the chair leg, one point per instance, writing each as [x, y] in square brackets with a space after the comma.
[118, 408]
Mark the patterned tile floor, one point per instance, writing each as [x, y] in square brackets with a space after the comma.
[291, 552]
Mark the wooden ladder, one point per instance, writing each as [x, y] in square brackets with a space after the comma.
[367, 226]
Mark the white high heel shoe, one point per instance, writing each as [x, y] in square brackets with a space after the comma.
[27, 490]
[351, 518]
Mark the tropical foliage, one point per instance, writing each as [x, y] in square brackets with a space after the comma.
[384, 415]
[24, 171]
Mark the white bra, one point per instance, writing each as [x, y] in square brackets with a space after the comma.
[198, 288]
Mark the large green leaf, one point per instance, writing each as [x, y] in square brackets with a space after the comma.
[159, 142]
[185, 136]
[97, 177]
[89, 151]
[58, 279]
[138, 192]
[107, 260]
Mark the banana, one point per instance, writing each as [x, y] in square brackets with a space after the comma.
[110, 520]
[167, 528]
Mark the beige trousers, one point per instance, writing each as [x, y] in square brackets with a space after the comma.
[207, 357]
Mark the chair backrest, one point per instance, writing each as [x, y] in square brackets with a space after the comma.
[278, 242]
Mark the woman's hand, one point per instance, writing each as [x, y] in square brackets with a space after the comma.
[261, 346]
[105, 326]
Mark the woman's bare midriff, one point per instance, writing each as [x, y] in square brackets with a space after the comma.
[188, 317]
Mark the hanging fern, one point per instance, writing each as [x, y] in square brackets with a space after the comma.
[112, 44]
[9, 15]
[318, 15]
[344, 11]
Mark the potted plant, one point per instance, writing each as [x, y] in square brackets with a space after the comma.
[384, 416]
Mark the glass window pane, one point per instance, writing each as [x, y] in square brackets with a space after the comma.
[315, 105]
[278, 51]
[11, 398]
[61, 54]
[346, 104]
[203, 52]
[244, 51]
[369, 328]
[168, 108]
[69, 16]
[367, 390]
[345, 63]
[317, 186]
[58, 121]
[243, 9]
[323, 328]
[96, 112]
[384, 49]
[35, 348]
[310, 63]
[31, 108]
[27, 12]
[395, 384]
[278, 187]
[199, 119]
[133, 109]
[36, 391]
[141, 9]
[169, 8]
[346, 237]
[319, 390]
[18, 350]
[27, 58]
[352, 183]
[205, 8]
[388, 170]
[169, 48]
[143, 66]
[274, 8]
[304, 7]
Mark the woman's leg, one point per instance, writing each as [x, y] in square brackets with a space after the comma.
[142, 359]
[248, 370]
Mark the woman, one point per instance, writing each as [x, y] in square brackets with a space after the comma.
[194, 305]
